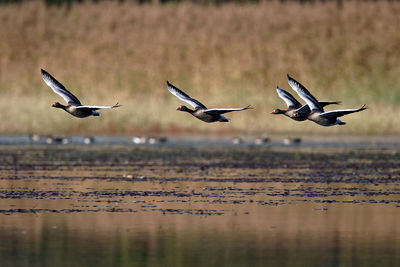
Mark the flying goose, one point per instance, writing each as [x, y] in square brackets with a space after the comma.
[200, 111]
[317, 114]
[74, 106]
[295, 106]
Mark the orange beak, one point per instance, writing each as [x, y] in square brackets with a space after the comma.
[293, 115]
[179, 108]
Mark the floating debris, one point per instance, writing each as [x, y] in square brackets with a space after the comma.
[53, 139]
[262, 140]
[139, 139]
[156, 140]
[88, 140]
[35, 137]
[292, 140]
[152, 140]
[237, 140]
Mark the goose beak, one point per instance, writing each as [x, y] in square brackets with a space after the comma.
[293, 115]
[53, 105]
[179, 108]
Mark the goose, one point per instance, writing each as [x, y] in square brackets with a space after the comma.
[74, 106]
[317, 114]
[295, 106]
[200, 111]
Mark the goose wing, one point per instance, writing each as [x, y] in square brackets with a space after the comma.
[290, 101]
[59, 89]
[218, 111]
[184, 97]
[98, 107]
[304, 109]
[325, 103]
[342, 112]
[304, 94]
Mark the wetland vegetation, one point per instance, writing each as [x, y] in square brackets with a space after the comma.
[228, 55]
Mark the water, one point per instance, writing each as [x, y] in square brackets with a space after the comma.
[191, 204]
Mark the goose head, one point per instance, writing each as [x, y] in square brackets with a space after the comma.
[57, 105]
[183, 108]
[277, 111]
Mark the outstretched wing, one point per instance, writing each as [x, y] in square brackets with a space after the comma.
[98, 107]
[342, 112]
[217, 111]
[184, 97]
[290, 101]
[304, 94]
[59, 89]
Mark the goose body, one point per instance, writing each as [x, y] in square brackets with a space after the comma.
[200, 111]
[317, 113]
[74, 106]
[294, 106]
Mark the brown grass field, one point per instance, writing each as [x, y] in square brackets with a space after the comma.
[225, 56]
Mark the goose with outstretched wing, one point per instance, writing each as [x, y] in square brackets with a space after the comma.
[74, 106]
[317, 114]
[200, 111]
[294, 106]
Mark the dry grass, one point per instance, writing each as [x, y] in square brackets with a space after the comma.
[232, 55]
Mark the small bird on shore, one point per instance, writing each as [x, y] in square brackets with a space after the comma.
[200, 111]
[317, 114]
[295, 106]
[74, 106]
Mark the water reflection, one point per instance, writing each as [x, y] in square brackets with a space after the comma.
[285, 235]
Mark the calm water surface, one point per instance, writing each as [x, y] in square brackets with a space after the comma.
[200, 205]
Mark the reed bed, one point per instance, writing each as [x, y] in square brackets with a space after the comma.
[226, 56]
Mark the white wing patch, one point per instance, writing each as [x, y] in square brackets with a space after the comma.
[224, 110]
[59, 89]
[341, 112]
[98, 107]
[184, 97]
[288, 98]
[304, 94]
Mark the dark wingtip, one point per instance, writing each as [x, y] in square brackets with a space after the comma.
[117, 105]
[43, 71]
[168, 83]
[287, 75]
[249, 107]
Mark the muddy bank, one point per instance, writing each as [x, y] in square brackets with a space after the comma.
[166, 179]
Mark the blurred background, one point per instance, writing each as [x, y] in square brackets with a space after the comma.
[223, 53]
